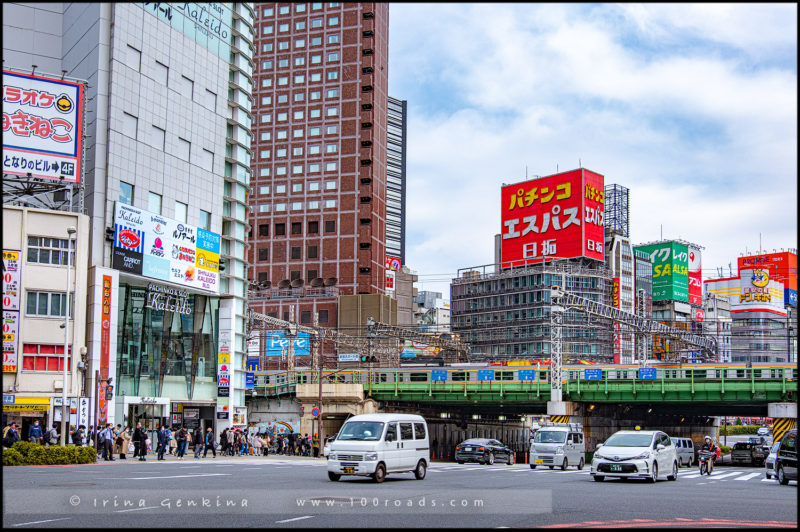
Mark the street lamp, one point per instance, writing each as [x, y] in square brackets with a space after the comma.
[64, 405]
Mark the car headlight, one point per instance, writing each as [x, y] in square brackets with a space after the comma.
[560, 450]
[332, 456]
[598, 456]
[644, 456]
[371, 457]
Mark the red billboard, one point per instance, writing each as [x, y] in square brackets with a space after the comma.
[558, 216]
[782, 267]
[695, 276]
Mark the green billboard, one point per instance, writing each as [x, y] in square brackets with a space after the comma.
[670, 270]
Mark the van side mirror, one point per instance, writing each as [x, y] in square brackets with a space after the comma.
[660, 447]
[389, 437]
[599, 445]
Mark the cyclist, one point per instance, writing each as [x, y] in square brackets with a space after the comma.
[709, 445]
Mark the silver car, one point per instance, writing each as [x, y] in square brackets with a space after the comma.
[769, 464]
[642, 453]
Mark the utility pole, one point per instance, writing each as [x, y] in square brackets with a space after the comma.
[318, 355]
[65, 405]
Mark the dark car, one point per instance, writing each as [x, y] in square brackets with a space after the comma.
[750, 453]
[483, 451]
[786, 459]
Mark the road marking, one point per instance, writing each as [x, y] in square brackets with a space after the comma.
[45, 521]
[768, 480]
[726, 475]
[295, 519]
[179, 476]
[748, 477]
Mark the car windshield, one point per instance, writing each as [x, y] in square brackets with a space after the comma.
[629, 440]
[361, 430]
[475, 442]
[775, 448]
[743, 445]
[550, 436]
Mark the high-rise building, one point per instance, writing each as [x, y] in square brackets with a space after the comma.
[619, 259]
[396, 180]
[167, 169]
[319, 189]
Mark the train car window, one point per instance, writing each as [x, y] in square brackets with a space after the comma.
[384, 377]
[757, 373]
[739, 373]
[504, 375]
[459, 376]
[418, 377]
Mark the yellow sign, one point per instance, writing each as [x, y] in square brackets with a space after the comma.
[224, 358]
[28, 404]
[760, 278]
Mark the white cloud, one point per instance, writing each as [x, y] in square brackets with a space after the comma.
[706, 139]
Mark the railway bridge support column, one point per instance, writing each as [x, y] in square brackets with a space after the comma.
[784, 417]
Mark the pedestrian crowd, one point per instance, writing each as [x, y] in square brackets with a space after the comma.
[111, 441]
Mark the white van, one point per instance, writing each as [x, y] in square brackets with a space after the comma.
[558, 445]
[377, 444]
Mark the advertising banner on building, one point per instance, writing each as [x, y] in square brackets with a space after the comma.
[752, 291]
[162, 248]
[42, 127]
[392, 263]
[10, 341]
[413, 349]
[277, 343]
[782, 267]
[390, 283]
[252, 364]
[559, 216]
[670, 270]
[695, 276]
[11, 279]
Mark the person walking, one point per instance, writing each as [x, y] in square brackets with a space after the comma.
[231, 442]
[77, 436]
[242, 443]
[161, 435]
[210, 443]
[35, 432]
[223, 441]
[139, 442]
[173, 443]
[182, 438]
[52, 436]
[169, 439]
[257, 444]
[125, 441]
[197, 439]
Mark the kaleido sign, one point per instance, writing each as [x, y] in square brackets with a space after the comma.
[161, 248]
[167, 299]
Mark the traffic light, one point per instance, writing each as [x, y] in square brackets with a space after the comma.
[109, 392]
[369, 358]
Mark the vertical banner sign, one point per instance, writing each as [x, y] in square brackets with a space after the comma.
[390, 278]
[617, 337]
[224, 366]
[11, 288]
[83, 411]
[11, 280]
[555, 216]
[105, 341]
[695, 276]
[42, 127]
[10, 341]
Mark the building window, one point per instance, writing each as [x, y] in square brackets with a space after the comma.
[280, 170]
[333, 21]
[333, 56]
[263, 254]
[264, 172]
[263, 229]
[295, 252]
[280, 207]
[300, 43]
[332, 111]
[299, 61]
[298, 115]
[330, 204]
[297, 205]
[125, 193]
[333, 74]
[281, 134]
[299, 79]
[313, 228]
[313, 132]
[316, 76]
[297, 187]
[283, 10]
[316, 59]
[268, 12]
[316, 41]
[313, 168]
[297, 169]
[266, 135]
[43, 250]
[330, 148]
[181, 211]
[330, 167]
[311, 275]
[333, 93]
[330, 185]
[330, 226]
[280, 189]
[263, 207]
[314, 113]
[297, 151]
[312, 252]
[280, 229]
[205, 220]
[297, 134]
[313, 186]
[130, 125]
[154, 202]
[39, 357]
[313, 205]
[49, 304]
[283, 117]
[316, 23]
[299, 96]
[299, 8]
[283, 80]
[282, 98]
[280, 152]
[300, 25]
[283, 45]
[323, 316]
[266, 47]
[265, 154]
[283, 63]
[331, 130]
[315, 95]
[333, 39]
[283, 27]
[313, 150]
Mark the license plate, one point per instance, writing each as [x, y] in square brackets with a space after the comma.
[538, 462]
[349, 470]
[467, 448]
[615, 467]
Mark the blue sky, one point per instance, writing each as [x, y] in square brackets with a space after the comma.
[693, 107]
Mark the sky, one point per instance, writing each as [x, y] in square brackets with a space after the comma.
[693, 107]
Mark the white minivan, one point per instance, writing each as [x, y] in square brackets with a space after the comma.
[558, 445]
[377, 444]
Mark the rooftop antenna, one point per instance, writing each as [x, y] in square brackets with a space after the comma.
[526, 172]
[34, 69]
[579, 163]
[662, 231]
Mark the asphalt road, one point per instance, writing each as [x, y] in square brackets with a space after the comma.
[295, 492]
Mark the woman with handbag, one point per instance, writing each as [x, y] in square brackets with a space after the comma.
[124, 442]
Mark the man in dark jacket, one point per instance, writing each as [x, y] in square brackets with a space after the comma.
[223, 441]
[210, 443]
[140, 442]
[162, 442]
[77, 436]
[181, 437]
[197, 440]
[12, 436]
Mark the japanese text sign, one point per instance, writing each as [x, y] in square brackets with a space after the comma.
[559, 216]
[11, 280]
[782, 267]
[670, 270]
[42, 126]
[695, 276]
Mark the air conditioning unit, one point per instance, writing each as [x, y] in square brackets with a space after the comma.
[58, 385]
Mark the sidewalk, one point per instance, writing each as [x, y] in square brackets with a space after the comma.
[189, 457]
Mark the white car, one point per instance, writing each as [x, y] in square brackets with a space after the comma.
[763, 431]
[636, 454]
[769, 463]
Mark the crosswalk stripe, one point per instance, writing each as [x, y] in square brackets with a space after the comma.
[748, 477]
[725, 475]
[767, 480]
